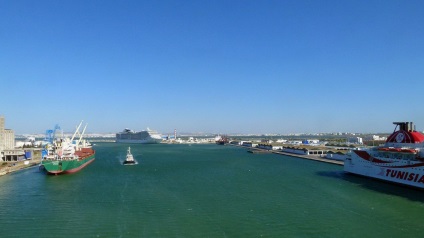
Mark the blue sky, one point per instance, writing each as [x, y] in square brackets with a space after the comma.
[212, 66]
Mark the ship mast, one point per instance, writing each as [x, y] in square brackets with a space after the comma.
[83, 131]
[76, 131]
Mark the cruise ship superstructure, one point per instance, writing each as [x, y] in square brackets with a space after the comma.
[141, 137]
[399, 160]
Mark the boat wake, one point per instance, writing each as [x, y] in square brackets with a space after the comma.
[135, 163]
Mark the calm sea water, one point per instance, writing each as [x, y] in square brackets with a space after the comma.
[205, 191]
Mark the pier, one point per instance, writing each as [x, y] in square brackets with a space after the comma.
[309, 157]
[259, 151]
[13, 166]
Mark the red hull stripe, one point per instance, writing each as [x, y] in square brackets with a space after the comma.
[79, 168]
[364, 155]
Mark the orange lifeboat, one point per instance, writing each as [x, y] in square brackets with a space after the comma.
[398, 150]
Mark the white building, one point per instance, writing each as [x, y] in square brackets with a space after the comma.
[7, 142]
[375, 137]
[7, 137]
[355, 140]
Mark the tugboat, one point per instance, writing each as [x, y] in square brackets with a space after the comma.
[130, 159]
[399, 160]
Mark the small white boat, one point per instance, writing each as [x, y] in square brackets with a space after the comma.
[129, 160]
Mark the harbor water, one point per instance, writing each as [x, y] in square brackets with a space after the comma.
[205, 191]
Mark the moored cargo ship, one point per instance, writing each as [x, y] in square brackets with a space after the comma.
[66, 155]
[222, 140]
[399, 160]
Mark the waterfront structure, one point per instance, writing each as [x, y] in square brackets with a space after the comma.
[266, 146]
[399, 160]
[7, 144]
[377, 137]
[310, 142]
[336, 156]
[142, 137]
[7, 136]
[355, 140]
[249, 144]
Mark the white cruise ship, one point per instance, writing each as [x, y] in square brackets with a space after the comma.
[141, 137]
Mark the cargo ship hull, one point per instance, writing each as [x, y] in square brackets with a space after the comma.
[66, 155]
[56, 167]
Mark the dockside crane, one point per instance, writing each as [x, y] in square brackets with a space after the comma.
[50, 134]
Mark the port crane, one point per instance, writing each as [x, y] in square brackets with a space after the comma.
[51, 133]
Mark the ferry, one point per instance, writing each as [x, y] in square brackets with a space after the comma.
[399, 160]
[142, 137]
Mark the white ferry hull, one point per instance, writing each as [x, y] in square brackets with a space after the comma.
[402, 172]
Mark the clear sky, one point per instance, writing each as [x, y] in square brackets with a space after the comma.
[212, 66]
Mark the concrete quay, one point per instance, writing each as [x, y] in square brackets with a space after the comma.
[13, 166]
[311, 157]
[308, 157]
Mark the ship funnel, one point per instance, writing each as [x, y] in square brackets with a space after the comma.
[411, 126]
[405, 126]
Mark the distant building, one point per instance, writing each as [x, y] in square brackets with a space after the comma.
[249, 144]
[310, 142]
[7, 137]
[355, 140]
[269, 147]
[375, 137]
[7, 143]
[295, 142]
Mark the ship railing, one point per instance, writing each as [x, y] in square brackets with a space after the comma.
[68, 157]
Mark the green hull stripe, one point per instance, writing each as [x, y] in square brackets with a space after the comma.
[62, 166]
